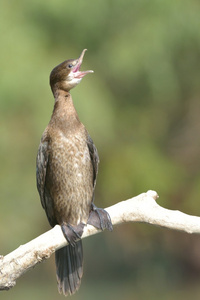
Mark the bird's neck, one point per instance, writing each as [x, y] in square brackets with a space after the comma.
[60, 94]
[64, 113]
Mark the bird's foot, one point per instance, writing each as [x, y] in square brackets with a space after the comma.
[72, 233]
[99, 218]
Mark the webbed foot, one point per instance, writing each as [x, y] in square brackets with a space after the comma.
[72, 233]
[99, 218]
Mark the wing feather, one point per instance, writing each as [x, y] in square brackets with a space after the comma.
[94, 158]
[41, 168]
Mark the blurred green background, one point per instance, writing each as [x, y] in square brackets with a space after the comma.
[141, 107]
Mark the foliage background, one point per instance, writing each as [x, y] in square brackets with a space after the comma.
[141, 107]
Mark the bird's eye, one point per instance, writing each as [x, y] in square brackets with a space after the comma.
[70, 66]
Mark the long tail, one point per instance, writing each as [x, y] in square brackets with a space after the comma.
[69, 268]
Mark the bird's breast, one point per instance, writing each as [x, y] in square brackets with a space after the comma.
[70, 178]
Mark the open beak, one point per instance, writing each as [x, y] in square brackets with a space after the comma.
[76, 69]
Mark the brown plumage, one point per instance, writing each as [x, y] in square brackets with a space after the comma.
[67, 166]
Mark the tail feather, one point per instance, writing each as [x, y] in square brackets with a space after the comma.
[69, 268]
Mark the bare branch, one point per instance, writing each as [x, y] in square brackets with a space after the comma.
[142, 208]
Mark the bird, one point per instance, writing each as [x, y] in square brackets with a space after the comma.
[66, 172]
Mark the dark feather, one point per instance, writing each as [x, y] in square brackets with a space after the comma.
[69, 268]
[94, 157]
[41, 168]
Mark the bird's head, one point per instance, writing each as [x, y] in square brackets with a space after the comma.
[67, 75]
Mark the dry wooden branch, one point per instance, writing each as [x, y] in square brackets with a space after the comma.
[142, 208]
